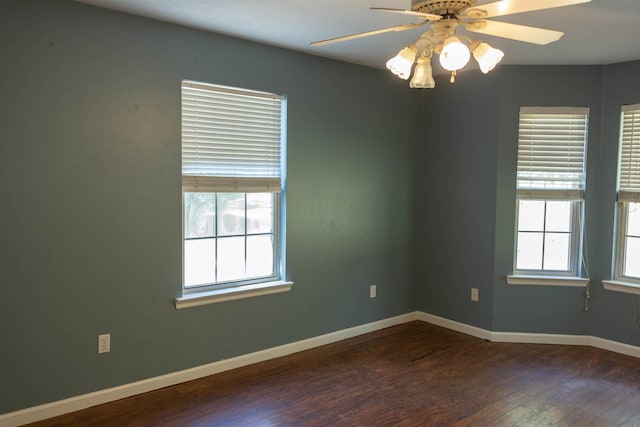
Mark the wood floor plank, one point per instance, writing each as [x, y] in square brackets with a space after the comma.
[415, 374]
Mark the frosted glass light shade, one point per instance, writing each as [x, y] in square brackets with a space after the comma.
[454, 55]
[423, 75]
[487, 56]
[401, 64]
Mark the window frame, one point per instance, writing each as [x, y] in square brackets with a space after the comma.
[627, 193]
[575, 243]
[277, 242]
[245, 184]
[572, 194]
[621, 253]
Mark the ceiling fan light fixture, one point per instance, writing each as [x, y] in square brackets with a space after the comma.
[423, 75]
[444, 17]
[454, 55]
[401, 64]
[486, 56]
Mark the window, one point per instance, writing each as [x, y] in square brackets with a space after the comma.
[232, 163]
[550, 190]
[627, 267]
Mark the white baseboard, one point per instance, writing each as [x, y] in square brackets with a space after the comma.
[506, 337]
[53, 409]
[615, 346]
[77, 403]
[531, 338]
[453, 325]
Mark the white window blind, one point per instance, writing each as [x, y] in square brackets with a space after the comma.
[551, 152]
[231, 139]
[629, 168]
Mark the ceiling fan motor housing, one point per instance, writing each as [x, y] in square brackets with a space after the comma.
[441, 7]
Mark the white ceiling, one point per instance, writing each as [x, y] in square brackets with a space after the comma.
[600, 32]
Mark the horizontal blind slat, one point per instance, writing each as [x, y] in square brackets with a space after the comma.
[208, 184]
[629, 162]
[538, 194]
[629, 196]
[231, 138]
[551, 148]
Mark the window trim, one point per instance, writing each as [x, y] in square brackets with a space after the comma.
[245, 182]
[574, 194]
[523, 279]
[627, 193]
[620, 286]
[213, 296]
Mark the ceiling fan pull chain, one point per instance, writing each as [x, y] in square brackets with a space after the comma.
[453, 77]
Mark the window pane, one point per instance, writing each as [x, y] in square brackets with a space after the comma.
[199, 215]
[259, 256]
[199, 262]
[558, 216]
[230, 259]
[259, 213]
[529, 256]
[633, 224]
[632, 259]
[230, 214]
[556, 251]
[531, 215]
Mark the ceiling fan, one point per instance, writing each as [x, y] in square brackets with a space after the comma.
[443, 17]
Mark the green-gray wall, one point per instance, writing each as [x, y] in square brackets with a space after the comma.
[411, 190]
[467, 214]
[458, 178]
[91, 198]
[543, 309]
[613, 312]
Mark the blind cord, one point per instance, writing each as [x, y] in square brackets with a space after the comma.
[585, 265]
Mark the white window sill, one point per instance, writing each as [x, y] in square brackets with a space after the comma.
[618, 286]
[228, 294]
[547, 280]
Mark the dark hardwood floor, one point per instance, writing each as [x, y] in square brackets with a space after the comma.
[415, 374]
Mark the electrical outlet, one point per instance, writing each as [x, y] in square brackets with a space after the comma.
[104, 343]
[474, 294]
[372, 291]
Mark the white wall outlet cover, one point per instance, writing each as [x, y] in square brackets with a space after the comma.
[104, 343]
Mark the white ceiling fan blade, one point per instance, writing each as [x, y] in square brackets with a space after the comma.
[428, 16]
[369, 33]
[510, 7]
[515, 32]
